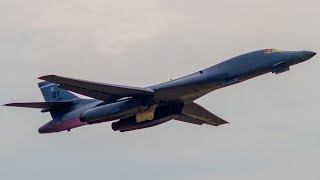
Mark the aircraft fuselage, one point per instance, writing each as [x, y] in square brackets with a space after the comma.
[170, 97]
[229, 72]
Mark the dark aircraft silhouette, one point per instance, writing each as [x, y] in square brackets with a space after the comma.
[134, 108]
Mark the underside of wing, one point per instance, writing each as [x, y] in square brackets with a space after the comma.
[40, 105]
[101, 91]
[196, 114]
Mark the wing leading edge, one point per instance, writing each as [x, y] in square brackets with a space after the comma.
[196, 114]
[101, 91]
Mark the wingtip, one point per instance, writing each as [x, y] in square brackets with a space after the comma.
[46, 77]
[226, 123]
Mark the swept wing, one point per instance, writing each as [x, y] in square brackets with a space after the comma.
[196, 114]
[101, 91]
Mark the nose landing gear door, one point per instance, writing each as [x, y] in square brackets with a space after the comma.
[231, 81]
[280, 68]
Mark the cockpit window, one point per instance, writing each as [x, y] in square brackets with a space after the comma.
[269, 51]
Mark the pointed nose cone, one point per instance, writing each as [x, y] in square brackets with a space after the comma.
[305, 55]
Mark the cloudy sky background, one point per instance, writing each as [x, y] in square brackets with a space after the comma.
[275, 128]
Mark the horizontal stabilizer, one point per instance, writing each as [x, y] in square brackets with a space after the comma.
[196, 114]
[41, 105]
[97, 90]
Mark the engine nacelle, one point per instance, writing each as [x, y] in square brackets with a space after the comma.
[162, 114]
[113, 111]
[131, 124]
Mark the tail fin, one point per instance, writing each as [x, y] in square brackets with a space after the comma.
[52, 93]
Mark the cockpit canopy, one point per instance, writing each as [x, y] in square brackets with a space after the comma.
[270, 51]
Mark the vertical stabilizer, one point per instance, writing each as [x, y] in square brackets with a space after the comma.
[52, 93]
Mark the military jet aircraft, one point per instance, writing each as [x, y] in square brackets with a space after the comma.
[132, 108]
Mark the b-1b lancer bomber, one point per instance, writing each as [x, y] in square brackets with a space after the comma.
[132, 108]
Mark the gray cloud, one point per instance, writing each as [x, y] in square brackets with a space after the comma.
[274, 119]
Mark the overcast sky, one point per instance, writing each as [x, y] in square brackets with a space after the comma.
[275, 126]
